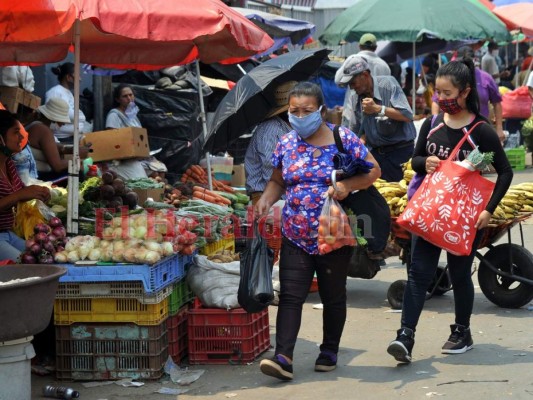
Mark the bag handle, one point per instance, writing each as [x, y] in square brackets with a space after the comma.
[458, 147]
[338, 141]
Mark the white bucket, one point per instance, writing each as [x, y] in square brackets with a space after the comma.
[15, 369]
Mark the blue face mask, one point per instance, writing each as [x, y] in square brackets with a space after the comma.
[306, 125]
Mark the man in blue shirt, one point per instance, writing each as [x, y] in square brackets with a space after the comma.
[266, 134]
[383, 114]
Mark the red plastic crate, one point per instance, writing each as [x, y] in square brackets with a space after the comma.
[178, 341]
[218, 336]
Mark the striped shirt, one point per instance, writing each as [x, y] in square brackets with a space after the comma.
[7, 217]
[387, 92]
[258, 158]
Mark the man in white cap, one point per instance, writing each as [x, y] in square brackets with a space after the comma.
[383, 116]
[378, 67]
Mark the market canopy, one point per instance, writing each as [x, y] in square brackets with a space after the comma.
[410, 21]
[517, 16]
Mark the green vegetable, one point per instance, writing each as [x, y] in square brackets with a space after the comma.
[144, 183]
[480, 160]
[242, 198]
[89, 183]
[231, 197]
[157, 205]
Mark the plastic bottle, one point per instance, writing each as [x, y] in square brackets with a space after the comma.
[60, 392]
[93, 171]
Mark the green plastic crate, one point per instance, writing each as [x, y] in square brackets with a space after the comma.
[181, 295]
[517, 158]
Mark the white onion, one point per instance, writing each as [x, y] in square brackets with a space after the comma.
[73, 256]
[94, 255]
[152, 246]
[167, 248]
[61, 257]
[152, 257]
[130, 255]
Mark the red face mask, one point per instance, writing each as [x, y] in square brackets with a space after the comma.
[450, 106]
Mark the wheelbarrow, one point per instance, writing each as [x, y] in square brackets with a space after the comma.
[505, 273]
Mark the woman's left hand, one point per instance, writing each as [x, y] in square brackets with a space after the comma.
[483, 220]
[341, 193]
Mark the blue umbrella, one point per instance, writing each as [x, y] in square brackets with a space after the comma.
[351, 166]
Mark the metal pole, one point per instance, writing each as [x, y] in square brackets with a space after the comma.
[204, 123]
[413, 95]
[74, 164]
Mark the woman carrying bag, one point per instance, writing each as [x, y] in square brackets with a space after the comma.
[458, 99]
[303, 162]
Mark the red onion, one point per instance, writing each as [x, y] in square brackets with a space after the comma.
[46, 258]
[59, 232]
[27, 258]
[59, 248]
[41, 228]
[55, 222]
[41, 237]
[35, 249]
[29, 243]
[49, 247]
[52, 238]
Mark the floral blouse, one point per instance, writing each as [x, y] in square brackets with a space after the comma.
[306, 171]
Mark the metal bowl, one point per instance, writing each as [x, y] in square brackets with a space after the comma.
[26, 307]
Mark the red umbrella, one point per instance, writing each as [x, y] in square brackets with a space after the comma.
[138, 34]
[517, 16]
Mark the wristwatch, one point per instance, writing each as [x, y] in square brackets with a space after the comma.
[382, 112]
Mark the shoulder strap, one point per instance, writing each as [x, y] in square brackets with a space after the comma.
[466, 135]
[338, 140]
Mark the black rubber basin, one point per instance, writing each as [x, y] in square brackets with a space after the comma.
[26, 307]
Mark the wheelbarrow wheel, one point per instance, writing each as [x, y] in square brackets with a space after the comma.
[444, 282]
[395, 294]
[502, 291]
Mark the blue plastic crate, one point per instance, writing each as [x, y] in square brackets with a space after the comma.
[154, 277]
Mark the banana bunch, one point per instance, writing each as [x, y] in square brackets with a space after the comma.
[518, 199]
[408, 172]
[395, 193]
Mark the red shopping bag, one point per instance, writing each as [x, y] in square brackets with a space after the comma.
[447, 205]
[517, 103]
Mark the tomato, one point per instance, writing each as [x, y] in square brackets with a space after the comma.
[324, 248]
[334, 226]
[321, 231]
[330, 239]
[334, 211]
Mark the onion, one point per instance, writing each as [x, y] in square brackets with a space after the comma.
[41, 228]
[60, 248]
[27, 258]
[152, 246]
[130, 255]
[52, 238]
[94, 255]
[55, 222]
[118, 255]
[40, 237]
[73, 256]
[59, 232]
[140, 232]
[49, 247]
[108, 233]
[61, 257]
[152, 257]
[167, 248]
[29, 243]
[46, 258]
[35, 249]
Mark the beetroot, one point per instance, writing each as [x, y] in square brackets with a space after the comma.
[55, 222]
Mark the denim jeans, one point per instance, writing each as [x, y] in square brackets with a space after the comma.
[391, 163]
[424, 262]
[296, 272]
[10, 245]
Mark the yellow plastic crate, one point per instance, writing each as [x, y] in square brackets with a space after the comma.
[223, 244]
[69, 311]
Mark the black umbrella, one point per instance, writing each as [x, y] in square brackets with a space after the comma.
[252, 98]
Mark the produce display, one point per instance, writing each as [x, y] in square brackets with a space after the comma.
[110, 190]
[224, 256]
[47, 241]
[197, 174]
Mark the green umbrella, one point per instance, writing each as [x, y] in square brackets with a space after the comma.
[410, 20]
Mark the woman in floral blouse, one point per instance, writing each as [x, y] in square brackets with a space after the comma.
[303, 162]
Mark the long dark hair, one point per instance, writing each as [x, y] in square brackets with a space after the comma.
[63, 70]
[462, 74]
[309, 89]
[7, 121]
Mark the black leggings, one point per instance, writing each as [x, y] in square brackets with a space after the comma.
[296, 272]
[424, 263]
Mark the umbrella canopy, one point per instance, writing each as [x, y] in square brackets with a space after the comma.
[517, 16]
[147, 34]
[252, 97]
[399, 51]
[409, 21]
[498, 3]
[282, 29]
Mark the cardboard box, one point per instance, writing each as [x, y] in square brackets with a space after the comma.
[12, 97]
[118, 144]
[238, 178]
[156, 194]
[334, 116]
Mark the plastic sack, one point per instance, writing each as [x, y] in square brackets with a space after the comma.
[447, 205]
[256, 290]
[334, 230]
[29, 214]
[517, 103]
[215, 284]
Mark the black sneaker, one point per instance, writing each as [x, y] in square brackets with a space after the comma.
[402, 347]
[326, 362]
[460, 341]
[277, 366]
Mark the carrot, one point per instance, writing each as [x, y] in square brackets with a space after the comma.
[203, 196]
[199, 170]
[184, 177]
[227, 189]
[216, 196]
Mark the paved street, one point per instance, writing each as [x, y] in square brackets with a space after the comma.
[499, 367]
